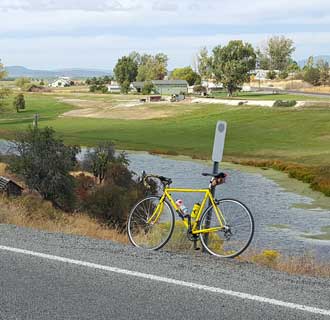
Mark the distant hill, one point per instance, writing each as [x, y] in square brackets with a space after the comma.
[19, 71]
[302, 63]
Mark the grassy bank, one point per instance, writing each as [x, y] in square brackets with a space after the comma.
[291, 135]
[32, 212]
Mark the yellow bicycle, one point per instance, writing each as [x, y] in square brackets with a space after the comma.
[225, 227]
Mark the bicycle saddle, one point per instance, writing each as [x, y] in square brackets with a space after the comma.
[218, 175]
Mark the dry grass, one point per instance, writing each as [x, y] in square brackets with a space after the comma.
[302, 265]
[283, 84]
[2, 169]
[319, 89]
[30, 211]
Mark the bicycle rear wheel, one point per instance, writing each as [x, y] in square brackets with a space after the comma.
[150, 223]
[236, 234]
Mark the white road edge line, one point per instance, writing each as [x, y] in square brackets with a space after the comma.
[192, 285]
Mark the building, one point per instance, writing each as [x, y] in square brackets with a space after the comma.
[161, 87]
[61, 82]
[9, 187]
[170, 86]
[261, 74]
[114, 87]
[137, 86]
[212, 86]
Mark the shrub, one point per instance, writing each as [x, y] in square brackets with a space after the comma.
[283, 75]
[19, 102]
[312, 75]
[285, 103]
[45, 163]
[111, 202]
[271, 74]
[200, 89]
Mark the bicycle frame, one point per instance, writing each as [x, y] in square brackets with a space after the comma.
[194, 225]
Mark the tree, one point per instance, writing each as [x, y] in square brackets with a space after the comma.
[309, 64]
[277, 53]
[97, 159]
[148, 87]
[324, 69]
[186, 73]
[263, 61]
[23, 83]
[125, 71]
[232, 64]
[3, 72]
[19, 102]
[151, 67]
[4, 92]
[204, 64]
[293, 67]
[45, 163]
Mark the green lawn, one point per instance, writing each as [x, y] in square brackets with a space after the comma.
[268, 96]
[271, 133]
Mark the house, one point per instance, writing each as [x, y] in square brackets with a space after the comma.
[163, 86]
[9, 187]
[170, 86]
[137, 86]
[212, 86]
[114, 87]
[261, 74]
[61, 82]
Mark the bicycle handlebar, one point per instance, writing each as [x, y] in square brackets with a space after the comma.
[165, 181]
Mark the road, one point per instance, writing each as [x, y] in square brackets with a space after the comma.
[56, 276]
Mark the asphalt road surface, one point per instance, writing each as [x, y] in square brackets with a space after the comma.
[56, 276]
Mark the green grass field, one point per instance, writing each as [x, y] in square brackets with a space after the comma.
[289, 134]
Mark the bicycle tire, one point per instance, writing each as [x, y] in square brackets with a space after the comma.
[217, 248]
[145, 228]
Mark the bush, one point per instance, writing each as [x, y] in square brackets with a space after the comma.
[200, 89]
[271, 75]
[285, 103]
[19, 102]
[283, 75]
[112, 201]
[312, 75]
[45, 163]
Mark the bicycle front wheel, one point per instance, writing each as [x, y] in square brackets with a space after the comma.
[230, 237]
[150, 223]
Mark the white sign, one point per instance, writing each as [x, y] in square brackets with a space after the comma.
[219, 141]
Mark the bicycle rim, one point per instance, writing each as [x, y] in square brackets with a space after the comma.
[237, 235]
[148, 230]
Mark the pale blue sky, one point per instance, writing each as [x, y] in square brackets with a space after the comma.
[49, 34]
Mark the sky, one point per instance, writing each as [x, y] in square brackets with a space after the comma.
[51, 34]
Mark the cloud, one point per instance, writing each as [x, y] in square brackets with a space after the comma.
[163, 5]
[103, 51]
[76, 32]
[77, 5]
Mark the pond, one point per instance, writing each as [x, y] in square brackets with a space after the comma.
[282, 221]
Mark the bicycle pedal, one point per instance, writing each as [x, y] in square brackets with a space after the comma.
[197, 248]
